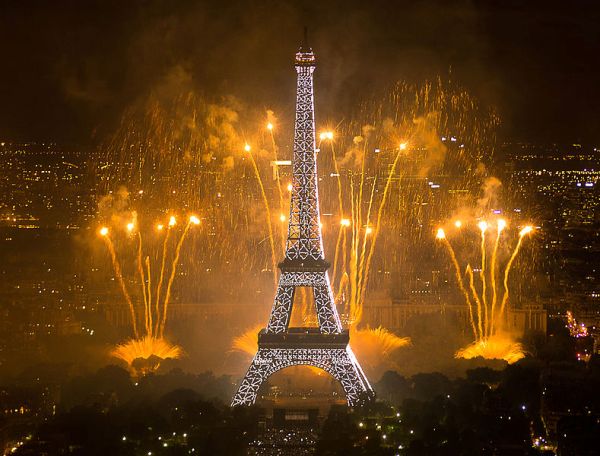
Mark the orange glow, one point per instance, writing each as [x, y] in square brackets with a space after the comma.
[501, 224]
[195, 220]
[247, 148]
[145, 348]
[497, 346]
[172, 221]
[440, 234]
[526, 230]
[103, 231]
[345, 222]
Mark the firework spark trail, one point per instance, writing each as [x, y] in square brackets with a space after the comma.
[459, 280]
[119, 274]
[140, 268]
[500, 226]
[353, 276]
[522, 234]
[278, 184]
[149, 306]
[477, 301]
[483, 227]
[365, 266]
[380, 213]
[342, 220]
[343, 288]
[362, 253]
[344, 257]
[268, 210]
[336, 256]
[275, 157]
[162, 271]
[172, 277]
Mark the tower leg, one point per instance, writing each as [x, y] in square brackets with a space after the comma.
[329, 320]
[340, 363]
[282, 309]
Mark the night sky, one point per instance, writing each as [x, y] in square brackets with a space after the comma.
[70, 68]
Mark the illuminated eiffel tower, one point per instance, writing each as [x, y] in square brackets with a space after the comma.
[304, 265]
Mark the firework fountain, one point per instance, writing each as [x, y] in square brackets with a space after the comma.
[148, 318]
[487, 311]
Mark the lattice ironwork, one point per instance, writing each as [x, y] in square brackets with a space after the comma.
[304, 266]
[329, 320]
[304, 230]
[340, 363]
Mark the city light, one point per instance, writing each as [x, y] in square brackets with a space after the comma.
[269, 126]
[103, 231]
[403, 146]
[247, 147]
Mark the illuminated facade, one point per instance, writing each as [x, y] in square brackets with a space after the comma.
[304, 265]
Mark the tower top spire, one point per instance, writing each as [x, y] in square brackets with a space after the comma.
[305, 55]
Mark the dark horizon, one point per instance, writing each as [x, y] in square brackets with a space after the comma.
[71, 68]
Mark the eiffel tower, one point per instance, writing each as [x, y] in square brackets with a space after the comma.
[326, 346]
